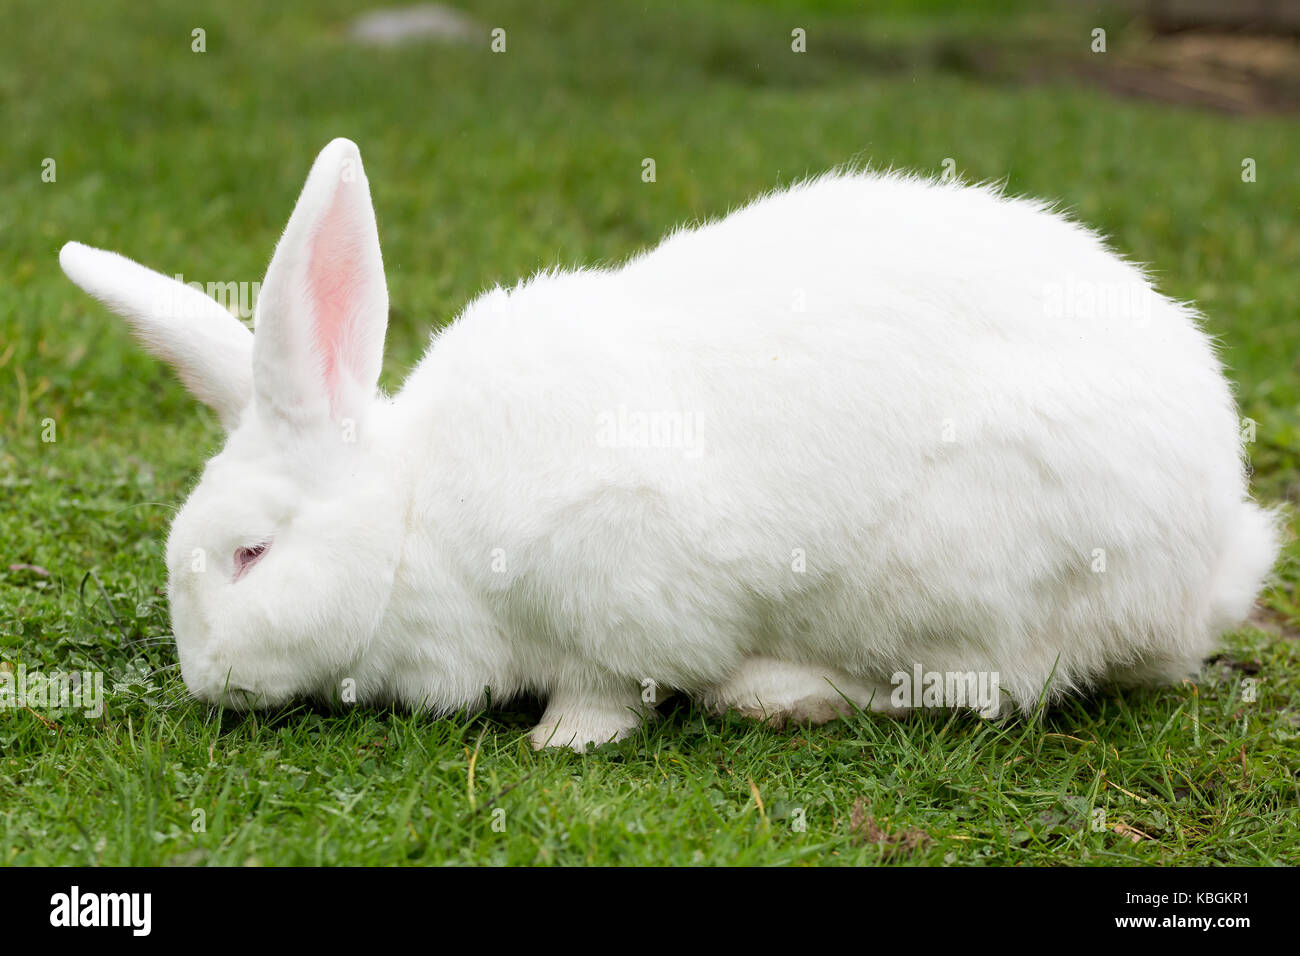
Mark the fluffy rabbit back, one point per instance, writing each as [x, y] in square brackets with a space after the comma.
[866, 423]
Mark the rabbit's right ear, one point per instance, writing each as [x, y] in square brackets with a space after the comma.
[210, 349]
[323, 309]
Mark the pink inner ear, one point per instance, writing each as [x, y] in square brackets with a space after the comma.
[334, 281]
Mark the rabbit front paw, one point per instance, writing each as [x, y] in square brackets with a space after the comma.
[577, 721]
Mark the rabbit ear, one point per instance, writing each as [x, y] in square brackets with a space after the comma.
[323, 308]
[210, 349]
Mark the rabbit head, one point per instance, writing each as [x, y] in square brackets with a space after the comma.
[281, 561]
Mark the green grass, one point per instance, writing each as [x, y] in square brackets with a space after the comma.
[486, 167]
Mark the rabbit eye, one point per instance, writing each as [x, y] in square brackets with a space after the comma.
[245, 558]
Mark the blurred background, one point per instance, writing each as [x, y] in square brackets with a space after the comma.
[504, 137]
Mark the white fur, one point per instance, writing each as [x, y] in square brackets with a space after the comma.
[903, 436]
[209, 348]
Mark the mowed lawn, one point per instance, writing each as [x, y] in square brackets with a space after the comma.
[486, 167]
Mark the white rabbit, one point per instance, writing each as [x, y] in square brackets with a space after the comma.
[867, 426]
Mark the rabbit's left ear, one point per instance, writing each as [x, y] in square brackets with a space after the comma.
[323, 308]
[210, 349]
